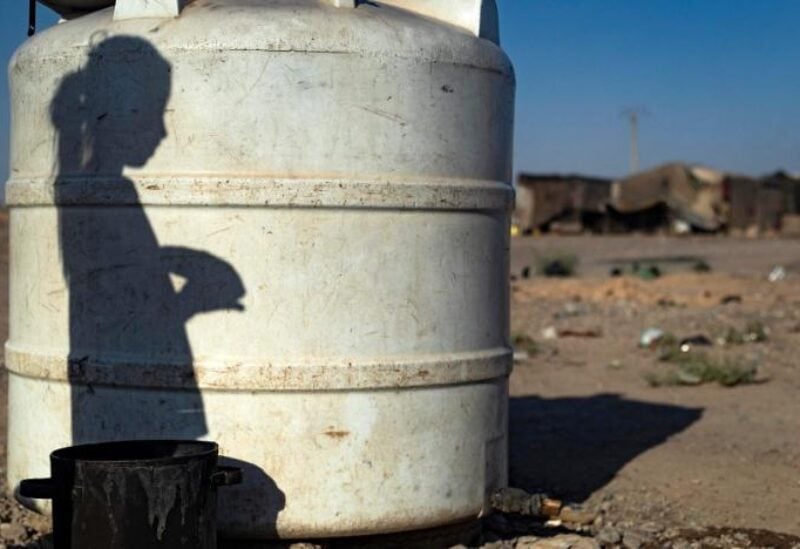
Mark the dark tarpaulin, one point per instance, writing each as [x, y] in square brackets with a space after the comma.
[761, 203]
[542, 199]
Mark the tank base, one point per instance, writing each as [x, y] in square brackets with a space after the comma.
[464, 533]
[361, 469]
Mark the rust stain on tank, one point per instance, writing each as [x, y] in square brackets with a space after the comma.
[336, 434]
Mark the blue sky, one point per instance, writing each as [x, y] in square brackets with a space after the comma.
[720, 80]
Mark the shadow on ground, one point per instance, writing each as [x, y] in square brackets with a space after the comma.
[566, 447]
[571, 447]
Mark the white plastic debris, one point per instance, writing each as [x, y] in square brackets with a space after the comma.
[777, 274]
[650, 337]
[550, 333]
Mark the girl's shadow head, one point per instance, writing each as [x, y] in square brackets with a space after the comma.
[110, 113]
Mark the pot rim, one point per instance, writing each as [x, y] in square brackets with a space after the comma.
[127, 453]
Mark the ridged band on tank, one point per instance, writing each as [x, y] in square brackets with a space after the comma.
[249, 375]
[435, 194]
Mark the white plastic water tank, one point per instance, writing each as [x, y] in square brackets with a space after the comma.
[278, 224]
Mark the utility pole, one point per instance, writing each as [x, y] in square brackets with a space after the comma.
[633, 114]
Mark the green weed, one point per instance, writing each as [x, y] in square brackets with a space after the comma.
[557, 265]
[524, 342]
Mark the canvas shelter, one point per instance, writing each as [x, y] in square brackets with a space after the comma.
[546, 198]
[690, 194]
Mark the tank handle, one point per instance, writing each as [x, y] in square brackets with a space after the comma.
[477, 16]
[226, 475]
[37, 488]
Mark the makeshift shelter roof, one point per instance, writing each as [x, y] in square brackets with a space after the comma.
[693, 194]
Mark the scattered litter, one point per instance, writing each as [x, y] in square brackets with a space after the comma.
[550, 333]
[575, 514]
[777, 274]
[648, 272]
[615, 364]
[681, 227]
[520, 502]
[557, 269]
[687, 343]
[684, 289]
[571, 310]
[650, 337]
[701, 267]
[524, 347]
[589, 332]
[514, 500]
[559, 265]
[730, 298]
[754, 332]
[550, 507]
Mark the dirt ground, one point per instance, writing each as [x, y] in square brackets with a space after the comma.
[670, 466]
[587, 426]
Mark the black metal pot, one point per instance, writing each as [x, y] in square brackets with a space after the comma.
[134, 494]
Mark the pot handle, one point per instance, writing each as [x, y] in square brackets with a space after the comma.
[37, 488]
[226, 476]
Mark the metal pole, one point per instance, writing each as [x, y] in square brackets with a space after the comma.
[31, 17]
